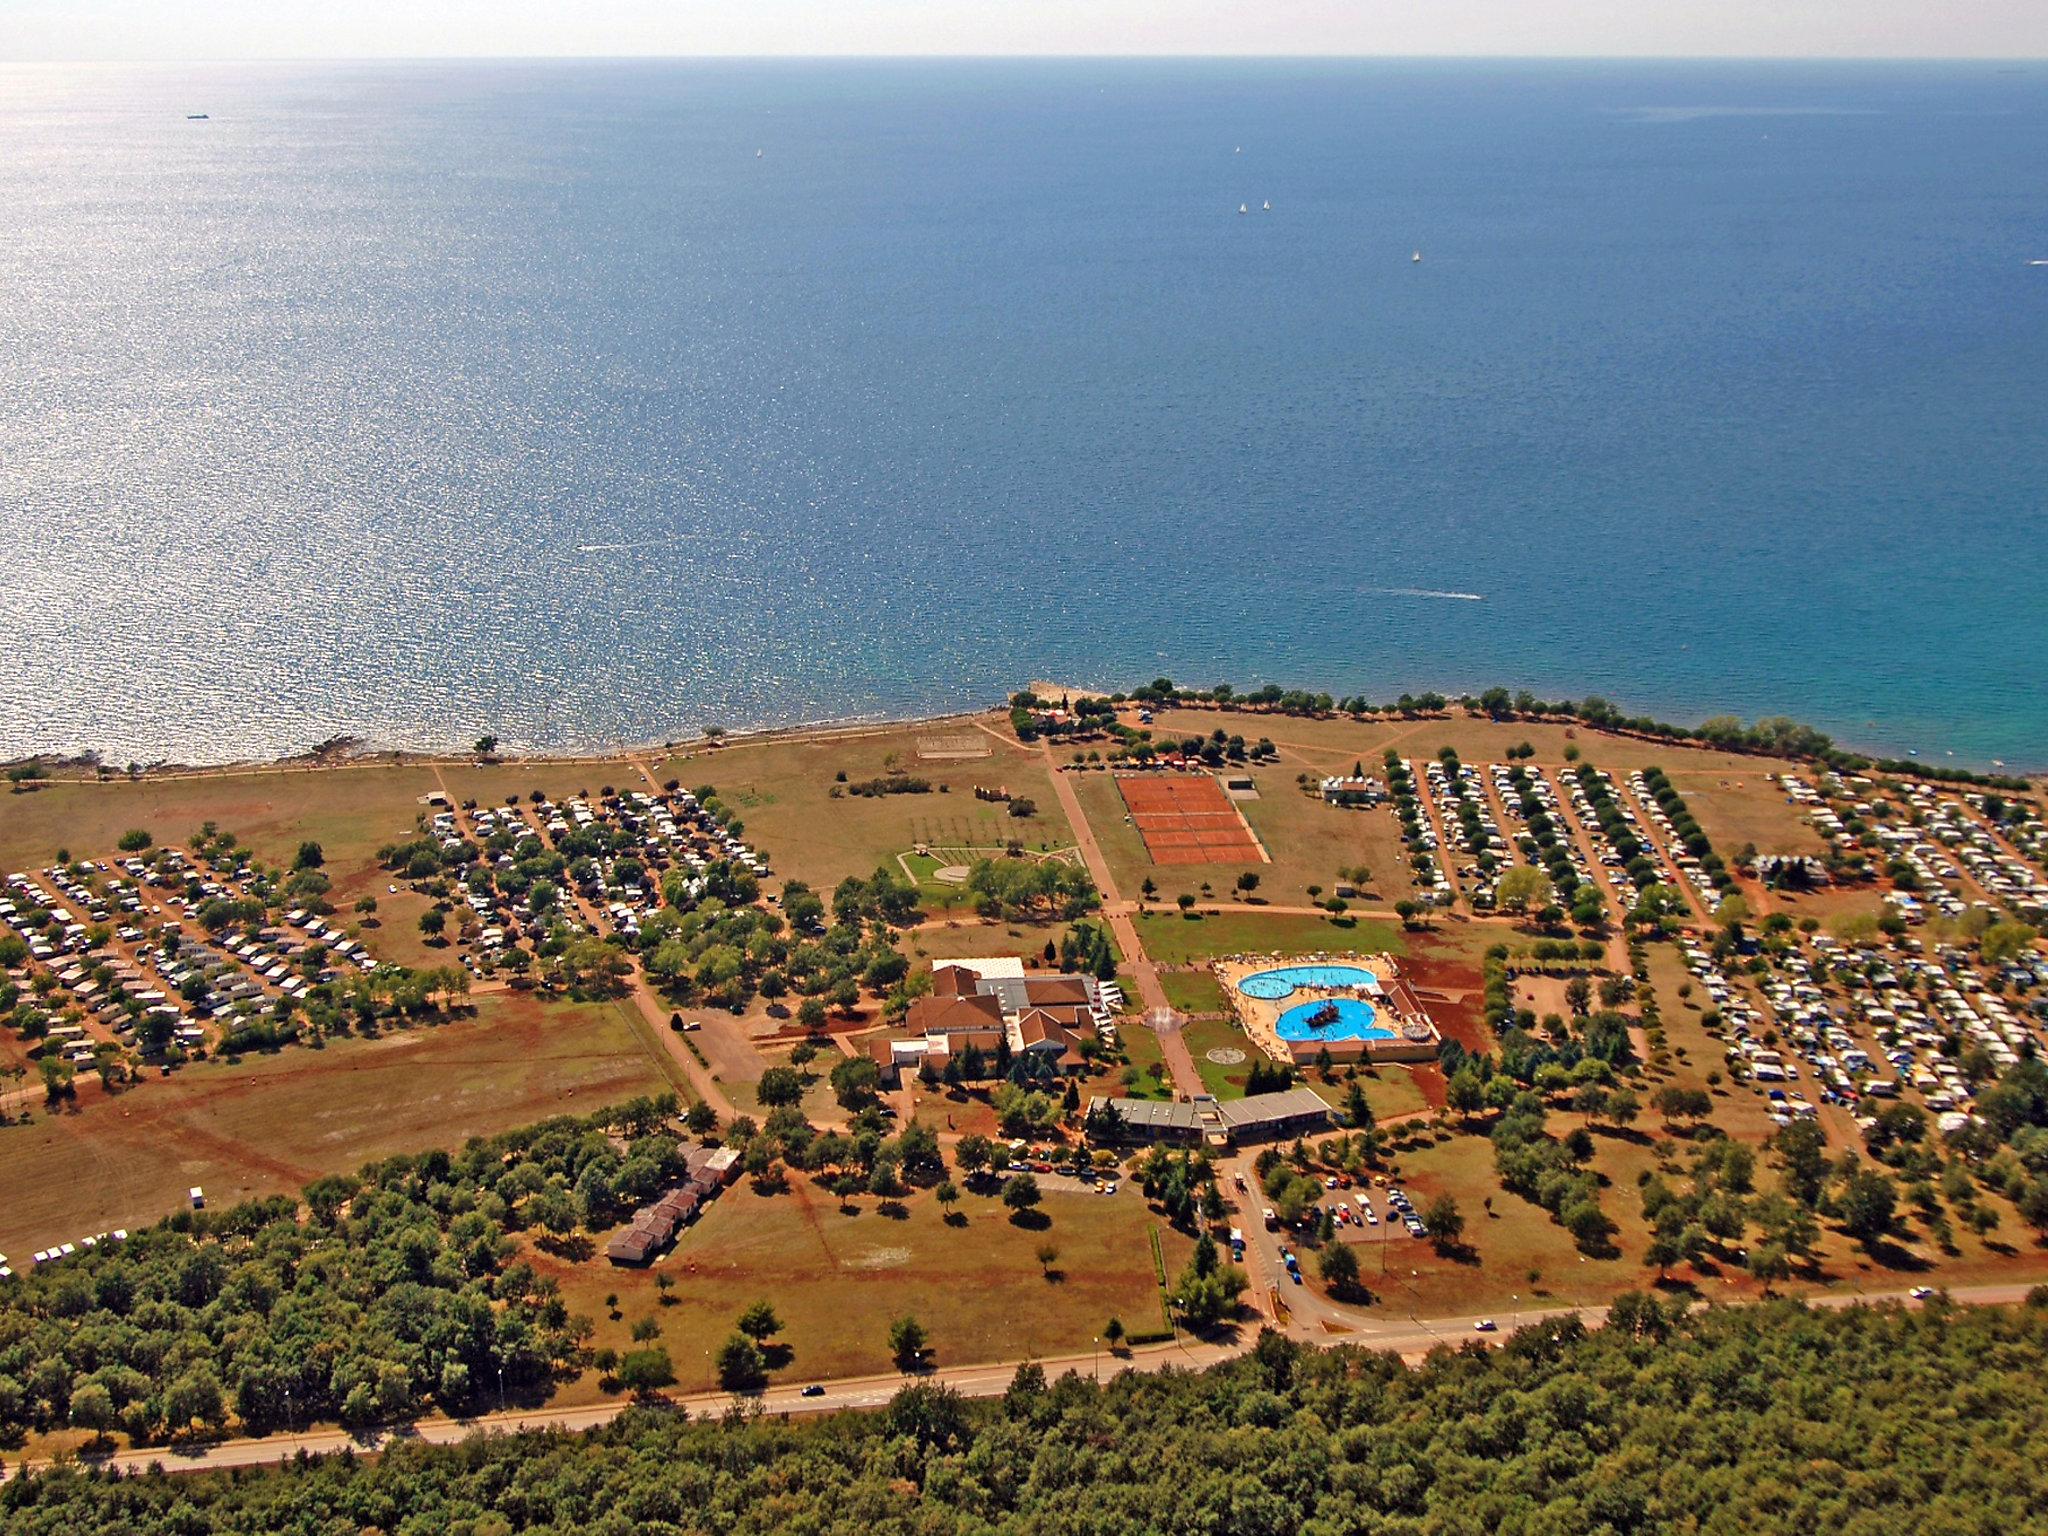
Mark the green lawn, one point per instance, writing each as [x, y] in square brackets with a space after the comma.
[1172, 939]
[1193, 991]
[1224, 1081]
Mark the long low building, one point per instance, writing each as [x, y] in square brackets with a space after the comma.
[1259, 1117]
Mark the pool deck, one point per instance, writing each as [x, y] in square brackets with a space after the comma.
[1396, 1007]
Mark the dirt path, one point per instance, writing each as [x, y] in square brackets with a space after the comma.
[1161, 1018]
[1438, 824]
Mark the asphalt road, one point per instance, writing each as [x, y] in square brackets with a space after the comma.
[1411, 1337]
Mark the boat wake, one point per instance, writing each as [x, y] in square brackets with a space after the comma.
[1454, 597]
[602, 549]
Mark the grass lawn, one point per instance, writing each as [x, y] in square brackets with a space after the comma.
[1142, 1046]
[1225, 1081]
[273, 1123]
[782, 790]
[1389, 1090]
[1193, 991]
[1172, 939]
[837, 1280]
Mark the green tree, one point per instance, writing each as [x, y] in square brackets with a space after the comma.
[741, 1365]
[759, 1321]
[908, 1344]
[646, 1371]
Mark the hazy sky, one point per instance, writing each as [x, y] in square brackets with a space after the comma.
[184, 29]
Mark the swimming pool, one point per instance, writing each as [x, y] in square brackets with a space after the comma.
[1271, 986]
[1354, 1021]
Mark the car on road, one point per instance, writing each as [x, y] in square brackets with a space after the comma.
[1921, 1292]
[1484, 1325]
[814, 1390]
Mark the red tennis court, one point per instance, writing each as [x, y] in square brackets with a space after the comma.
[1187, 819]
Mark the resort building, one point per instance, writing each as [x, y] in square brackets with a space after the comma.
[986, 1017]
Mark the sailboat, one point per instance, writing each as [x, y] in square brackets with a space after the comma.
[1267, 206]
[1416, 257]
[1241, 208]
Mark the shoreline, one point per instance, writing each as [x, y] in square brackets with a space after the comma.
[343, 752]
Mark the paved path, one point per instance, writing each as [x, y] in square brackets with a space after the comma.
[1117, 912]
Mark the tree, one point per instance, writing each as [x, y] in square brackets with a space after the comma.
[759, 1321]
[1048, 1254]
[2005, 942]
[1464, 1093]
[1185, 902]
[310, 856]
[741, 1365]
[702, 1119]
[486, 745]
[1868, 1202]
[780, 1087]
[1338, 1265]
[972, 1154]
[433, 922]
[1248, 881]
[1770, 1264]
[92, 1407]
[1522, 888]
[644, 1371]
[1445, 1221]
[855, 1080]
[907, 1344]
[1021, 1193]
[1113, 1333]
[135, 840]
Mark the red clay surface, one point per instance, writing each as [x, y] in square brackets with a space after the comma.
[1188, 820]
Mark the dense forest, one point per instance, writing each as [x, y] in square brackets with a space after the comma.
[1749, 1420]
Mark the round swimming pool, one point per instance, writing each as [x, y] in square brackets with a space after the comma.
[1271, 986]
[1355, 1021]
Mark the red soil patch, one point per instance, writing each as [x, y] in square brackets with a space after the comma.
[1188, 820]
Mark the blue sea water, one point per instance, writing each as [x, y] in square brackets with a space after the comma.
[596, 402]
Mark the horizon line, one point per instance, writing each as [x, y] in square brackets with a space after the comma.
[1048, 57]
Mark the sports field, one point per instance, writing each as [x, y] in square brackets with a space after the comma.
[1187, 819]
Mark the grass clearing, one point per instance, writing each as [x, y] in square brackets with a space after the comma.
[837, 1280]
[783, 789]
[274, 1123]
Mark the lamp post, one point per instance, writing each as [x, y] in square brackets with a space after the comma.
[1095, 1369]
[501, 1386]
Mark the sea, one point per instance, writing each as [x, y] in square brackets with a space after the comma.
[592, 403]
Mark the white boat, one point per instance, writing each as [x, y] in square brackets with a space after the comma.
[1266, 207]
[1241, 208]
[759, 153]
[1416, 257]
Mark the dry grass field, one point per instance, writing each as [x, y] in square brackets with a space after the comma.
[272, 1123]
[837, 1280]
[782, 790]
[349, 811]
